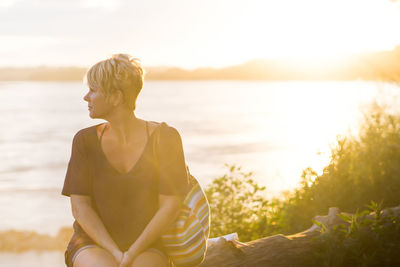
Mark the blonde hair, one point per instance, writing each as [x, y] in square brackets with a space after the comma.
[120, 72]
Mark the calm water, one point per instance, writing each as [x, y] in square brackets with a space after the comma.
[275, 129]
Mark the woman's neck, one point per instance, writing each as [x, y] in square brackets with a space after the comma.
[124, 127]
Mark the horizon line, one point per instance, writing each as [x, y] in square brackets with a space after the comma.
[287, 59]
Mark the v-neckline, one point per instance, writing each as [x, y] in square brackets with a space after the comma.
[149, 137]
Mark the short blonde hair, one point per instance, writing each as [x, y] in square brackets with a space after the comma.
[120, 72]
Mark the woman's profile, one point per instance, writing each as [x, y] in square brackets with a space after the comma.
[121, 200]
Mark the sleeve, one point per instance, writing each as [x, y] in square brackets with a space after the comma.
[173, 175]
[78, 178]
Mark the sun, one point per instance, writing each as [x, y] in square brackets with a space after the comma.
[323, 30]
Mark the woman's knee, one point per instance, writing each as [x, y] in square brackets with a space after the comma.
[149, 259]
[94, 256]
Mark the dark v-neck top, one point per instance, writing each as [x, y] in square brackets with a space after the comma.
[126, 202]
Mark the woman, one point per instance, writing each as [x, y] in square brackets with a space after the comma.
[126, 177]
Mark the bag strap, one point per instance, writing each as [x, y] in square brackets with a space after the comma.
[156, 142]
[191, 179]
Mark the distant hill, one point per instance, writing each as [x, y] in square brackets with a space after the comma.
[42, 74]
[383, 65]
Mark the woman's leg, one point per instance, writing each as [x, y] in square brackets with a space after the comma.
[94, 256]
[151, 258]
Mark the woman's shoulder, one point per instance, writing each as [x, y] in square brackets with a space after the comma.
[86, 134]
[168, 135]
[165, 128]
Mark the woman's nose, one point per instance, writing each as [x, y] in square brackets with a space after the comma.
[85, 97]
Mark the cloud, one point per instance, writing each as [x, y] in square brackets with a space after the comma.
[14, 43]
[106, 4]
[7, 3]
[65, 4]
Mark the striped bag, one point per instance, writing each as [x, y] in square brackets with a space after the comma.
[185, 240]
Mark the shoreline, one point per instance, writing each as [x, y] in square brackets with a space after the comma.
[16, 241]
[32, 259]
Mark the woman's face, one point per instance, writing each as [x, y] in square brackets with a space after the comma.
[98, 104]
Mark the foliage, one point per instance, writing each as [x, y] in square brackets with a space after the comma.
[363, 240]
[364, 167]
[237, 205]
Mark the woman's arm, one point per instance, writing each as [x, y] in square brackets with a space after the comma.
[169, 210]
[91, 223]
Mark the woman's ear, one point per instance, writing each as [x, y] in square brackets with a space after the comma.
[116, 98]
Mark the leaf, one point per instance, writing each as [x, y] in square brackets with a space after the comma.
[345, 217]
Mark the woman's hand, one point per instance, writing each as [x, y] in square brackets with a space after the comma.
[127, 259]
[118, 255]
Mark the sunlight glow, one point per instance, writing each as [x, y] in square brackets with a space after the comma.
[314, 30]
[192, 34]
[331, 28]
[310, 119]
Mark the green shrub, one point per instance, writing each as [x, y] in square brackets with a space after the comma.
[362, 241]
[364, 167]
[237, 205]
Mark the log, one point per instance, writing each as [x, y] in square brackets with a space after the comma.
[277, 250]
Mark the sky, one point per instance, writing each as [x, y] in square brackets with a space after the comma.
[191, 34]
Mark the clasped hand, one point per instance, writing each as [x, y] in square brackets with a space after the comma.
[127, 259]
[124, 259]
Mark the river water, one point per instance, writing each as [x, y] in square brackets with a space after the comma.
[275, 129]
